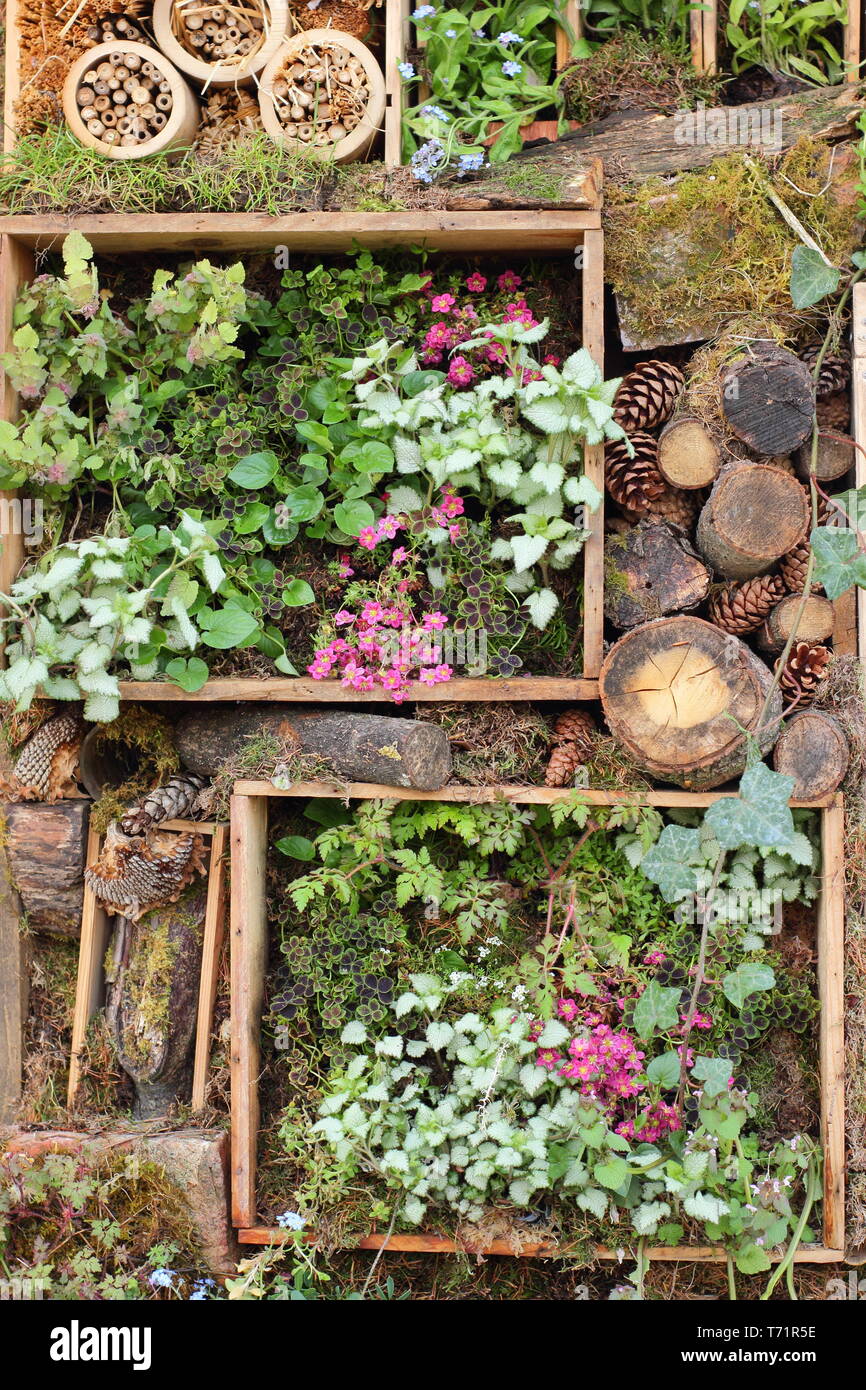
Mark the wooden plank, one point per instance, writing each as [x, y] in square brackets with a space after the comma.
[249, 951]
[593, 462]
[572, 11]
[696, 39]
[90, 985]
[537, 233]
[858, 427]
[16, 269]
[214, 933]
[528, 796]
[831, 969]
[308, 691]
[14, 995]
[709, 19]
[396, 34]
[11, 76]
[853, 40]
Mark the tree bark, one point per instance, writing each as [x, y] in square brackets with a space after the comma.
[813, 749]
[650, 571]
[152, 999]
[755, 514]
[768, 398]
[815, 626]
[688, 456]
[676, 694]
[47, 845]
[640, 146]
[359, 747]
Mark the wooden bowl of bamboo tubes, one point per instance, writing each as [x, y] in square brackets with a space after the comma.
[220, 44]
[323, 92]
[125, 100]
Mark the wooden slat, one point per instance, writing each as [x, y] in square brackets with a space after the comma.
[396, 35]
[709, 18]
[574, 17]
[441, 1245]
[249, 950]
[90, 985]
[308, 691]
[831, 968]
[14, 995]
[858, 427]
[529, 796]
[853, 41]
[214, 933]
[536, 233]
[12, 77]
[16, 269]
[696, 39]
[593, 462]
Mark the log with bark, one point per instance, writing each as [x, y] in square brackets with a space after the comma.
[637, 146]
[815, 625]
[360, 747]
[812, 748]
[768, 398]
[755, 514]
[152, 976]
[677, 693]
[650, 571]
[46, 845]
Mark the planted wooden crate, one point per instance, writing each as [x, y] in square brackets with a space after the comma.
[574, 237]
[707, 41]
[249, 957]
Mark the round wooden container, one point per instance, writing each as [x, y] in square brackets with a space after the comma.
[358, 141]
[223, 73]
[179, 130]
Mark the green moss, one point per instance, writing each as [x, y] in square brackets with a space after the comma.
[531, 181]
[140, 739]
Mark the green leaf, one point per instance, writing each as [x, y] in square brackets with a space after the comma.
[228, 627]
[352, 517]
[255, 471]
[415, 382]
[671, 862]
[276, 533]
[664, 1071]
[297, 847]
[751, 1259]
[296, 593]
[304, 503]
[759, 815]
[714, 1072]
[747, 979]
[252, 519]
[190, 675]
[657, 1010]
[811, 278]
[612, 1174]
[839, 561]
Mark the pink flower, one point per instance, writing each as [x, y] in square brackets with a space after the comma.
[435, 621]
[508, 280]
[476, 282]
[551, 359]
[654, 957]
[400, 555]
[442, 303]
[568, 1009]
[388, 527]
[461, 372]
[343, 617]
[371, 612]
[444, 673]
[548, 1058]
[427, 675]
[368, 538]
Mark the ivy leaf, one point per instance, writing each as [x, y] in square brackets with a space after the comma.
[812, 279]
[664, 1071]
[745, 980]
[714, 1072]
[612, 1174]
[657, 1010]
[839, 561]
[759, 815]
[671, 862]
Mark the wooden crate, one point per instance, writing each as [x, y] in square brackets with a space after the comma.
[858, 430]
[576, 235]
[249, 954]
[706, 45]
[96, 928]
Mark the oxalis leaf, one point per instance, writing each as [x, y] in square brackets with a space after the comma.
[812, 279]
[745, 980]
[759, 815]
[657, 1010]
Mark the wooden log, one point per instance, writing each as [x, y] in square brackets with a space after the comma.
[152, 999]
[816, 624]
[650, 571]
[768, 398]
[812, 748]
[677, 692]
[688, 456]
[47, 846]
[835, 459]
[362, 747]
[755, 514]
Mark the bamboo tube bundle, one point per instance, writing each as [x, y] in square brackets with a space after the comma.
[324, 91]
[219, 42]
[126, 100]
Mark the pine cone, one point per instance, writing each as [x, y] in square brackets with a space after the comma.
[792, 569]
[673, 505]
[835, 372]
[647, 395]
[172, 801]
[45, 767]
[834, 413]
[805, 668]
[741, 608]
[572, 741]
[132, 876]
[633, 482]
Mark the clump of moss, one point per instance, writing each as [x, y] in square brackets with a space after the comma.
[634, 73]
[140, 739]
[711, 247]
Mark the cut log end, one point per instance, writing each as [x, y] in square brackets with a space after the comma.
[815, 625]
[813, 749]
[676, 693]
[755, 514]
[768, 398]
[688, 456]
[650, 571]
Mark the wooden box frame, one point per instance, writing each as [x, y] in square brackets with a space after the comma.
[576, 233]
[249, 953]
[96, 929]
[705, 38]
